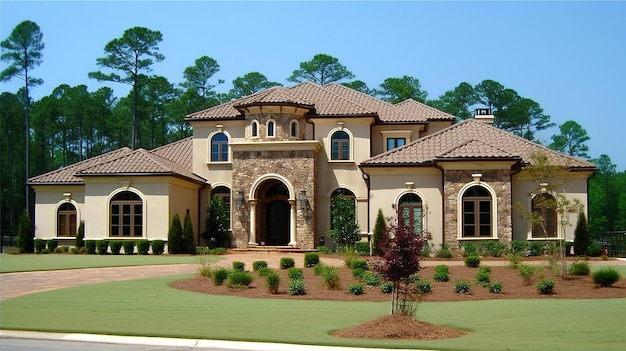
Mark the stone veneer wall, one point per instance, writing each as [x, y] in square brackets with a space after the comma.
[299, 167]
[498, 180]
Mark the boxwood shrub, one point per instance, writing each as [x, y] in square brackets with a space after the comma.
[311, 259]
[239, 279]
[143, 246]
[102, 246]
[360, 263]
[295, 273]
[287, 262]
[472, 261]
[239, 266]
[129, 247]
[90, 247]
[220, 275]
[256, 265]
[40, 245]
[116, 247]
[296, 287]
[158, 247]
[356, 288]
[52, 245]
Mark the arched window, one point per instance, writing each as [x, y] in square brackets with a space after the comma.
[223, 193]
[293, 129]
[255, 129]
[126, 215]
[477, 215]
[271, 126]
[66, 220]
[410, 212]
[544, 205]
[340, 146]
[219, 148]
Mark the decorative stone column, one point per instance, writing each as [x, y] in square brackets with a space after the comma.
[252, 240]
[292, 223]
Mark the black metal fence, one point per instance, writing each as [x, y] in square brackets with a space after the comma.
[8, 238]
[614, 242]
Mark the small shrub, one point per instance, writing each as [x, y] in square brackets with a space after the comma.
[494, 248]
[461, 287]
[444, 253]
[52, 245]
[217, 251]
[129, 247]
[414, 278]
[90, 247]
[484, 269]
[201, 250]
[358, 272]
[470, 249]
[239, 266]
[65, 248]
[59, 250]
[295, 273]
[74, 250]
[272, 281]
[324, 250]
[45, 251]
[287, 262]
[579, 268]
[472, 261]
[441, 276]
[158, 247]
[311, 259]
[142, 247]
[424, 287]
[360, 264]
[205, 270]
[265, 271]
[356, 288]
[519, 247]
[82, 250]
[526, 272]
[371, 279]
[116, 247]
[536, 248]
[495, 287]
[605, 276]
[546, 286]
[239, 279]
[362, 248]
[40, 244]
[515, 258]
[256, 265]
[594, 249]
[102, 246]
[319, 269]
[220, 275]
[296, 287]
[387, 287]
[483, 278]
[330, 278]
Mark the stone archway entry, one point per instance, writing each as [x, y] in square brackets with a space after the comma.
[273, 213]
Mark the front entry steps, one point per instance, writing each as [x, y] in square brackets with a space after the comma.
[267, 248]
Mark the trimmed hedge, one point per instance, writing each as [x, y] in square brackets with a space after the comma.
[116, 246]
[143, 246]
[102, 246]
[158, 247]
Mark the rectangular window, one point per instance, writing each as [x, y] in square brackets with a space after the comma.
[393, 143]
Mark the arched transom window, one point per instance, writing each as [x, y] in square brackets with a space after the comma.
[544, 204]
[340, 146]
[219, 148]
[126, 215]
[477, 212]
[410, 212]
[66, 220]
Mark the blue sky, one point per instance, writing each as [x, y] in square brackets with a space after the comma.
[568, 56]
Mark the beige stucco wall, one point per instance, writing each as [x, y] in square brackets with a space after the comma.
[48, 198]
[389, 184]
[573, 186]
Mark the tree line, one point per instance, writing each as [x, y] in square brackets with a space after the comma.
[72, 124]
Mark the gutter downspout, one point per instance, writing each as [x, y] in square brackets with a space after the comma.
[443, 202]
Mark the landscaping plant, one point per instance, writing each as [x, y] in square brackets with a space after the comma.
[579, 268]
[546, 286]
[423, 287]
[143, 246]
[472, 261]
[129, 247]
[239, 279]
[256, 265]
[606, 276]
[220, 275]
[175, 243]
[116, 247]
[296, 287]
[239, 266]
[461, 287]
[295, 273]
[79, 241]
[311, 259]
[158, 246]
[272, 282]
[356, 288]
[287, 262]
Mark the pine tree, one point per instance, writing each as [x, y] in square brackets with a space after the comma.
[379, 231]
[80, 236]
[189, 244]
[175, 236]
[581, 235]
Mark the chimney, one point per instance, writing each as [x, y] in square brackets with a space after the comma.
[483, 115]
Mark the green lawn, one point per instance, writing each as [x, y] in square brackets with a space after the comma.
[32, 262]
[150, 307]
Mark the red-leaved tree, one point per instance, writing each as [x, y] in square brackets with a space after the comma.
[401, 250]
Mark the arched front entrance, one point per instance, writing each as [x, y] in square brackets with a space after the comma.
[273, 213]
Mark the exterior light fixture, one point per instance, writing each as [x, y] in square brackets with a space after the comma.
[477, 176]
[239, 199]
[544, 187]
[302, 200]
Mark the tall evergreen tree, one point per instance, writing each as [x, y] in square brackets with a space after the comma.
[380, 228]
[175, 243]
[189, 242]
[581, 235]
[322, 69]
[23, 50]
[25, 241]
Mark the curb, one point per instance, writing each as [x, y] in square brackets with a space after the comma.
[174, 342]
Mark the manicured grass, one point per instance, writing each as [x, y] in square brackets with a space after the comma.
[32, 262]
[150, 307]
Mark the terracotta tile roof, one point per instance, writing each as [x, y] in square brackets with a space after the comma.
[469, 139]
[173, 159]
[329, 100]
[67, 175]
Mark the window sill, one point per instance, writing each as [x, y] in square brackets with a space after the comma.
[219, 163]
[475, 238]
[341, 161]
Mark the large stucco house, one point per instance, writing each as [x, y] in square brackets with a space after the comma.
[279, 156]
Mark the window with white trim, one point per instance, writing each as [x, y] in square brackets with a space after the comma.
[66, 220]
[126, 215]
[410, 212]
[544, 204]
[271, 128]
[219, 148]
[477, 212]
[340, 146]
